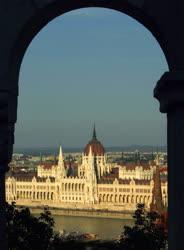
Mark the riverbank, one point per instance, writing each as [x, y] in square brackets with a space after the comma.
[84, 213]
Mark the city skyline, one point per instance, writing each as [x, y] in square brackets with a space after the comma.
[81, 68]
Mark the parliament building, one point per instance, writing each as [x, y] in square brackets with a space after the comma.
[92, 184]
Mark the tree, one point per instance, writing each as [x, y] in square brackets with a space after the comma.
[146, 234]
[25, 231]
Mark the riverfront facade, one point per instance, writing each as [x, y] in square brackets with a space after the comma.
[92, 184]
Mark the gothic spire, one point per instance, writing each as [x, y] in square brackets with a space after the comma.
[157, 202]
[60, 159]
[94, 133]
[61, 162]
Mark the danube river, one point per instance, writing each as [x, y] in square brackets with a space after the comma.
[105, 228]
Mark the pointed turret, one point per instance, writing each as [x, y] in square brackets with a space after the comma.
[61, 163]
[157, 202]
[60, 158]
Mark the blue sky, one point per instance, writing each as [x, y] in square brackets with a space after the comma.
[91, 65]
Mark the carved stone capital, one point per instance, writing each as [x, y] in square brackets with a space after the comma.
[170, 91]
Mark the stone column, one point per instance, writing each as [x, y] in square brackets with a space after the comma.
[170, 92]
[8, 111]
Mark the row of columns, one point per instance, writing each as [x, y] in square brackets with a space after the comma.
[35, 195]
[124, 199]
[73, 187]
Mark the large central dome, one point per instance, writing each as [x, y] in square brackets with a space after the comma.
[96, 146]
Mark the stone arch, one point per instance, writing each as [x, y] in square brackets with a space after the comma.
[50, 9]
[52, 196]
[132, 199]
[35, 21]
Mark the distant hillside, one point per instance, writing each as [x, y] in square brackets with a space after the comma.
[52, 150]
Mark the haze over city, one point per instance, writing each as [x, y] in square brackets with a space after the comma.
[91, 65]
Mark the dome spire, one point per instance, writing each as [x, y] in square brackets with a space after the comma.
[96, 146]
[94, 132]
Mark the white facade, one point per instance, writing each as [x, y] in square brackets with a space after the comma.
[137, 172]
[95, 187]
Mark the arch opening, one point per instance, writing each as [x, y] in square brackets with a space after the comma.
[105, 199]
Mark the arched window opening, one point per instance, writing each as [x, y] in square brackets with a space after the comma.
[89, 65]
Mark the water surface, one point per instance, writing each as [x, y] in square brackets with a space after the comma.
[105, 228]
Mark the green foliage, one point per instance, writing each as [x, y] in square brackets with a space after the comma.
[25, 231]
[146, 234]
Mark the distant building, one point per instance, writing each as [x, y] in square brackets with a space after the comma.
[93, 184]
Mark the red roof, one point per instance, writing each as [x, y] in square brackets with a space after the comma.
[96, 148]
